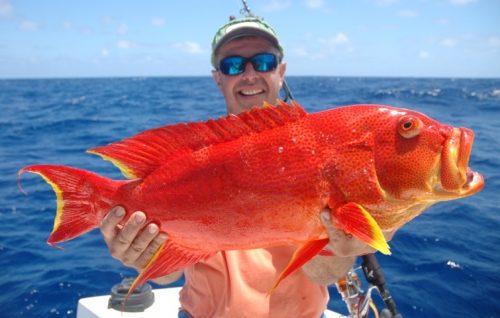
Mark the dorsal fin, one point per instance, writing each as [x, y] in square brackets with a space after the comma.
[143, 153]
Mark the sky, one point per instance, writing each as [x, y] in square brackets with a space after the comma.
[397, 38]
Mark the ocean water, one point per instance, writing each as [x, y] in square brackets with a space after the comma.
[445, 263]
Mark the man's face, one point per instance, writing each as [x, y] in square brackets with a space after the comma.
[250, 88]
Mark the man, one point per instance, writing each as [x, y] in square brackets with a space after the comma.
[249, 69]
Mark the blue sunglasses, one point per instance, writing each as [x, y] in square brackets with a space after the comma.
[234, 65]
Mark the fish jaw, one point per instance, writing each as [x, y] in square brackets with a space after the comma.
[456, 176]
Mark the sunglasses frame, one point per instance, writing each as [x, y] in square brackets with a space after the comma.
[245, 60]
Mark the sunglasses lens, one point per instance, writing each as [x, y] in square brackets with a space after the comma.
[264, 62]
[232, 65]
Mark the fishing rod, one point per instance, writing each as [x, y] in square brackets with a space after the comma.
[359, 302]
[375, 276]
[246, 11]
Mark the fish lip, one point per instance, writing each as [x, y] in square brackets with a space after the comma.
[475, 182]
[456, 175]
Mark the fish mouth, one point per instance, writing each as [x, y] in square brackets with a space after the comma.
[456, 176]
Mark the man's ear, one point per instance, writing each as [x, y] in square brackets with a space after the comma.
[217, 78]
[282, 71]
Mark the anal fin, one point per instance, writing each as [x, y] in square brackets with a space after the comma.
[169, 258]
[301, 256]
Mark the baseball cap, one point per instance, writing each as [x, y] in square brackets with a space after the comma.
[246, 26]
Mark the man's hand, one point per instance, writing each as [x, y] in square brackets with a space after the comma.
[328, 270]
[133, 244]
[345, 245]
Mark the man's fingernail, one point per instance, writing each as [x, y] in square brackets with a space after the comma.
[119, 211]
[139, 218]
[162, 237]
[152, 228]
[325, 216]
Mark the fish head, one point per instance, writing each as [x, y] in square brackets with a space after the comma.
[415, 162]
[418, 158]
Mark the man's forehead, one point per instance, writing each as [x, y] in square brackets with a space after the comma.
[247, 43]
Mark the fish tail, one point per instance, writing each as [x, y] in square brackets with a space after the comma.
[81, 202]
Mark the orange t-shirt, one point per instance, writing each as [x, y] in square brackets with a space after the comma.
[235, 284]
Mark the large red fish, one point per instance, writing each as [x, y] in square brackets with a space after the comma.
[261, 178]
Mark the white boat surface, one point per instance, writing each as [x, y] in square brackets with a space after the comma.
[166, 305]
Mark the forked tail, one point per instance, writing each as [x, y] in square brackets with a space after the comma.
[82, 199]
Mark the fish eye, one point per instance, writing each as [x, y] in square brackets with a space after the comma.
[410, 126]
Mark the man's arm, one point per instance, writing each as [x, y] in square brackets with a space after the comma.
[134, 243]
[327, 270]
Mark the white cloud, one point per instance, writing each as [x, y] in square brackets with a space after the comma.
[448, 42]
[385, 2]
[443, 21]
[28, 25]
[108, 20]
[188, 47]
[315, 4]
[67, 25]
[104, 52]
[122, 29]
[461, 2]
[158, 22]
[494, 41]
[124, 44]
[86, 30]
[424, 55]
[276, 5]
[6, 8]
[407, 13]
[338, 39]
[299, 51]
[70, 26]
[112, 24]
[146, 59]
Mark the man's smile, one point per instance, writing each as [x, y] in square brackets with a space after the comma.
[251, 92]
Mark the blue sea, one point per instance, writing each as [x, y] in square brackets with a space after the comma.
[445, 263]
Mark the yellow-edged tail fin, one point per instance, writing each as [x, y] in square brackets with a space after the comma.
[78, 193]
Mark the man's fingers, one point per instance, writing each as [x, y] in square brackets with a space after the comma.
[333, 233]
[132, 243]
[341, 243]
[140, 244]
[110, 221]
[152, 248]
[122, 241]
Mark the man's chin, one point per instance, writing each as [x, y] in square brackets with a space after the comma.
[248, 101]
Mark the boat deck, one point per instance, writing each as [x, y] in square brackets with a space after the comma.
[97, 307]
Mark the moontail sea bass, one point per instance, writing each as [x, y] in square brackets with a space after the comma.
[261, 178]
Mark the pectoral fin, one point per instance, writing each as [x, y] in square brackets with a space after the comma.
[299, 258]
[356, 220]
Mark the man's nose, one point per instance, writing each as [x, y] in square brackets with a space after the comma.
[249, 72]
